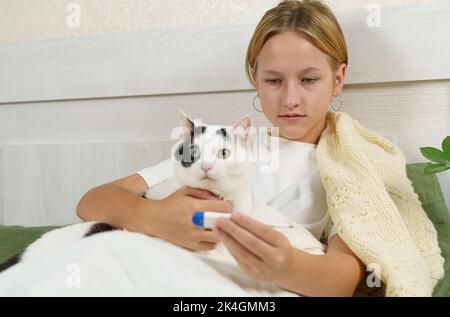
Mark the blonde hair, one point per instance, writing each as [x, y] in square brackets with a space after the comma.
[309, 17]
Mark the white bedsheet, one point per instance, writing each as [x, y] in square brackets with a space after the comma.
[120, 263]
[129, 264]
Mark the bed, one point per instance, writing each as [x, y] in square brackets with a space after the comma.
[69, 121]
[16, 238]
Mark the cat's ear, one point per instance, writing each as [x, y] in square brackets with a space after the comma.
[186, 124]
[242, 127]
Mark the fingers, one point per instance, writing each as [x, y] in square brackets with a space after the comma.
[239, 251]
[197, 245]
[199, 193]
[246, 238]
[207, 240]
[207, 200]
[258, 229]
[206, 235]
[206, 246]
[215, 205]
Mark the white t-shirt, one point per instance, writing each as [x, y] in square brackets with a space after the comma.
[294, 188]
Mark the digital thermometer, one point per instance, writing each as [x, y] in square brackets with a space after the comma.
[207, 219]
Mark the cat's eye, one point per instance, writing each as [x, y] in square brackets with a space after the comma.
[195, 152]
[223, 154]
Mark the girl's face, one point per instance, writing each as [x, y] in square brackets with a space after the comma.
[293, 77]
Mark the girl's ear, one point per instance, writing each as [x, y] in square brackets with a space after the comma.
[242, 127]
[186, 125]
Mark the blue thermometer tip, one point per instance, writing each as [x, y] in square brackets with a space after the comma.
[197, 218]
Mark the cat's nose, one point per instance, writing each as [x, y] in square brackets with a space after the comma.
[206, 167]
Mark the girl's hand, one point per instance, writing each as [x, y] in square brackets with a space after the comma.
[174, 222]
[263, 253]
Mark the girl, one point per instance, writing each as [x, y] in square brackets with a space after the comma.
[296, 60]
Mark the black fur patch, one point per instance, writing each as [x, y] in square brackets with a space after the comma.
[10, 262]
[222, 132]
[100, 227]
[184, 156]
[183, 152]
[199, 130]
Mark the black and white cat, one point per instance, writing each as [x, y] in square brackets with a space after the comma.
[211, 157]
[200, 148]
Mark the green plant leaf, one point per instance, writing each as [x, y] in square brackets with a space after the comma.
[446, 147]
[431, 168]
[434, 154]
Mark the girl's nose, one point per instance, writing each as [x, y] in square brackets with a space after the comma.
[291, 97]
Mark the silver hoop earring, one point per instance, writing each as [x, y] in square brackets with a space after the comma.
[339, 107]
[254, 107]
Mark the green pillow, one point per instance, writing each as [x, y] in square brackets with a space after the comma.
[14, 239]
[430, 194]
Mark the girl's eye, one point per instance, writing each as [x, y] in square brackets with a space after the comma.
[223, 154]
[309, 80]
[277, 81]
[195, 152]
[272, 81]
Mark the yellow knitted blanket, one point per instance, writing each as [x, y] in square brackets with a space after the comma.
[374, 208]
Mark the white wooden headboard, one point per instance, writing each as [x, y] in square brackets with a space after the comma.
[79, 112]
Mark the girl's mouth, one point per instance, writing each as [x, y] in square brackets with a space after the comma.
[292, 117]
